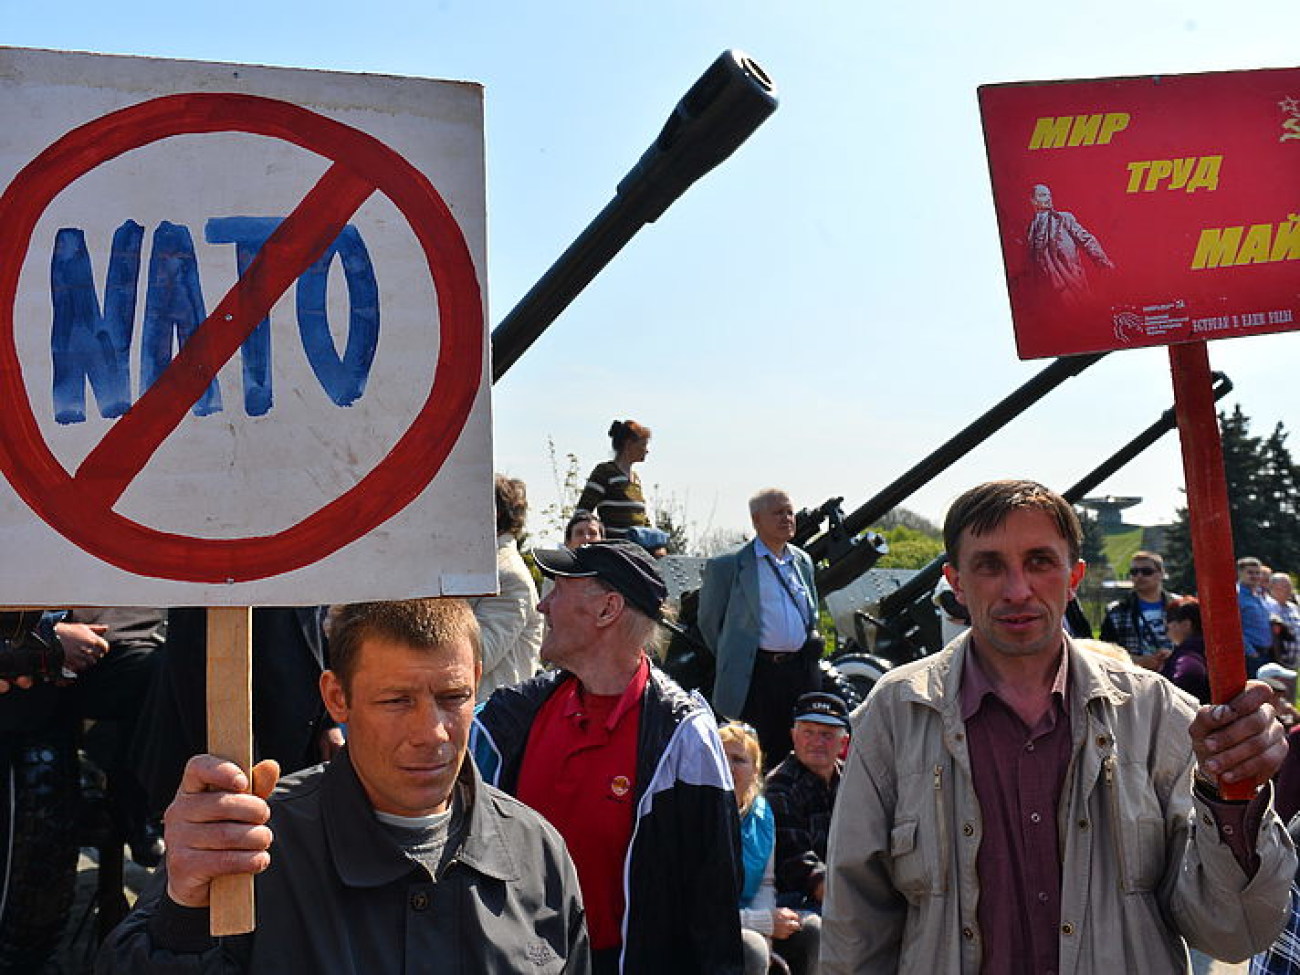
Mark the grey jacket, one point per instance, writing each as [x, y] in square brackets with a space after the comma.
[729, 619]
[341, 897]
[1144, 872]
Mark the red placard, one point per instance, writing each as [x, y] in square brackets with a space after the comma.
[1147, 211]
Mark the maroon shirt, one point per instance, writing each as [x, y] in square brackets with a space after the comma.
[1018, 773]
[1287, 781]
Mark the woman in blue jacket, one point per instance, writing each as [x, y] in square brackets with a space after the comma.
[764, 927]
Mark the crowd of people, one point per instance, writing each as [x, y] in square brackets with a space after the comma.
[511, 783]
[1163, 631]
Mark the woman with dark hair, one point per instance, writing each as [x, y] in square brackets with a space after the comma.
[582, 528]
[511, 627]
[1186, 666]
[613, 490]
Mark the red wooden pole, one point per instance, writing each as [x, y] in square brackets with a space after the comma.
[1211, 528]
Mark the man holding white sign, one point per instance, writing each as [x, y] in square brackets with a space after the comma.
[394, 857]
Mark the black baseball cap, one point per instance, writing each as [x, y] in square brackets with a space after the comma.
[624, 565]
[822, 708]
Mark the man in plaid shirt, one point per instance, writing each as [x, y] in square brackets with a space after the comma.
[801, 791]
[1137, 622]
[1284, 957]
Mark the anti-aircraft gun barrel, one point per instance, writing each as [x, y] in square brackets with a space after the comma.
[956, 447]
[1222, 386]
[846, 556]
[895, 609]
[719, 112]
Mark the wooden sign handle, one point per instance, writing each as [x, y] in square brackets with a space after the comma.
[1211, 529]
[230, 735]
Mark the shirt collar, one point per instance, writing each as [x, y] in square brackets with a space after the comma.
[629, 699]
[804, 772]
[976, 684]
[762, 551]
[365, 855]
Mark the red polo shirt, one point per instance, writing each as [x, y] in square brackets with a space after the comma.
[579, 771]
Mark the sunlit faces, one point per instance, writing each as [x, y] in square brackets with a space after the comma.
[582, 533]
[1280, 588]
[817, 745]
[571, 608]
[1178, 630]
[1147, 578]
[774, 521]
[1016, 580]
[408, 714]
[742, 767]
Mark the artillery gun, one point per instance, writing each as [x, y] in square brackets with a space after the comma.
[899, 618]
[890, 616]
[719, 112]
[846, 549]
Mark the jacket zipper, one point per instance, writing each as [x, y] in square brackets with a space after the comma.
[942, 875]
[1117, 824]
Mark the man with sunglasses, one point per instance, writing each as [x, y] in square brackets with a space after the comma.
[1137, 622]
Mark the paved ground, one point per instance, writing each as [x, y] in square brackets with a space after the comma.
[1207, 966]
[76, 954]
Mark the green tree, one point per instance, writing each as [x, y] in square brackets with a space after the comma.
[1280, 496]
[910, 519]
[909, 549]
[667, 519]
[1263, 484]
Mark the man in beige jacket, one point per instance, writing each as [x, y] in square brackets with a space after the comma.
[1016, 804]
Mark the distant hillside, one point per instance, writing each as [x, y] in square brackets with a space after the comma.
[1120, 546]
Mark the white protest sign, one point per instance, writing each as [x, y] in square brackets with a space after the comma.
[243, 344]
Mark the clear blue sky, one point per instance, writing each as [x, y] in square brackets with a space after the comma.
[828, 305]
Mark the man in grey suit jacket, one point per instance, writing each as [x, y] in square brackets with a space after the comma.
[758, 614]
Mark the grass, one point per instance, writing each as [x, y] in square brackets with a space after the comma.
[1119, 550]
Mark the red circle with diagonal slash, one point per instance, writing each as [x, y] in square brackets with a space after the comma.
[80, 506]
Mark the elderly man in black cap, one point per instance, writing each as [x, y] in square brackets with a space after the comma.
[627, 766]
[801, 791]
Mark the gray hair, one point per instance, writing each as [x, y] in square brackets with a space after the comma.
[763, 499]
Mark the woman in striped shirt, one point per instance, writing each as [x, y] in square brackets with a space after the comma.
[613, 490]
